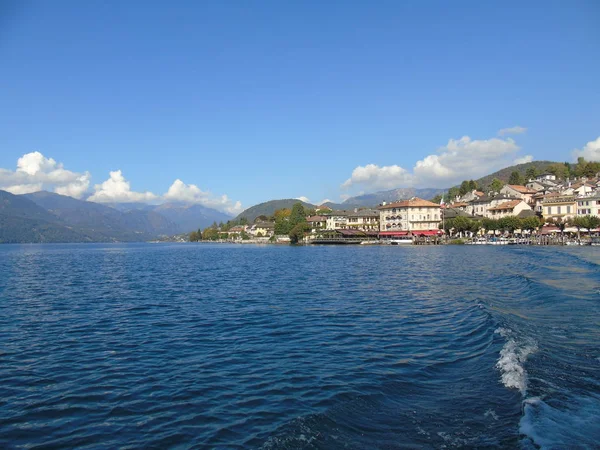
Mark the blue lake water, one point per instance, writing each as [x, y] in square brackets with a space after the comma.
[217, 346]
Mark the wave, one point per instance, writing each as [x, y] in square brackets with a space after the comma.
[571, 424]
[512, 360]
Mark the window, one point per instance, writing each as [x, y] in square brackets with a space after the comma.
[558, 210]
[568, 209]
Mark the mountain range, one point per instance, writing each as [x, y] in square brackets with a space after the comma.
[48, 217]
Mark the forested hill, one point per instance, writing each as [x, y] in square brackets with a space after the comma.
[269, 208]
[504, 174]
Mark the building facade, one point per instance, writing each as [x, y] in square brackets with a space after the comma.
[411, 215]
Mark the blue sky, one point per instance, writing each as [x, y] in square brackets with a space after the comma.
[267, 99]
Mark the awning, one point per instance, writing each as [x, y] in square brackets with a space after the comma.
[393, 233]
[427, 233]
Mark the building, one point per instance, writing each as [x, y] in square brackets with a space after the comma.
[515, 190]
[546, 177]
[337, 220]
[555, 206]
[588, 205]
[363, 219]
[481, 206]
[264, 229]
[416, 215]
[317, 223]
[509, 208]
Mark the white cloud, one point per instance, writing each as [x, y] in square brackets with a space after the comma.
[18, 189]
[464, 158]
[525, 159]
[459, 159]
[303, 199]
[385, 177]
[591, 151]
[512, 130]
[118, 190]
[36, 172]
[190, 193]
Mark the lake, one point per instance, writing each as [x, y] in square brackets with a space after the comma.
[240, 346]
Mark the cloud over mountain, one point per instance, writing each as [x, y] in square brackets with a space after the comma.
[459, 159]
[35, 172]
[591, 151]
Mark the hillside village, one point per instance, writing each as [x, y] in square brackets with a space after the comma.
[543, 205]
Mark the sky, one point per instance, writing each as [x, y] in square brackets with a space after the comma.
[232, 103]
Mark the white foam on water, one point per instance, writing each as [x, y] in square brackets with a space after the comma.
[512, 359]
[575, 424]
[491, 413]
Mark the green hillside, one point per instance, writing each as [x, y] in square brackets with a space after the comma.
[268, 208]
[504, 174]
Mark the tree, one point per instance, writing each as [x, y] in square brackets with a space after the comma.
[475, 226]
[298, 214]
[489, 224]
[515, 178]
[282, 221]
[194, 236]
[461, 224]
[436, 199]
[242, 221]
[297, 233]
[509, 223]
[261, 218]
[559, 170]
[210, 234]
[496, 185]
[244, 235]
[530, 224]
[531, 173]
[464, 188]
[453, 192]
[590, 222]
[472, 185]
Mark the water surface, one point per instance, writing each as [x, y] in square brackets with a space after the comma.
[218, 346]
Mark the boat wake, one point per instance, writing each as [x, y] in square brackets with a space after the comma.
[512, 360]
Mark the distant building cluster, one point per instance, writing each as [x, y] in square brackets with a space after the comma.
[543, 197]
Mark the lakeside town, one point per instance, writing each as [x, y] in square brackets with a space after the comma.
[543, 210]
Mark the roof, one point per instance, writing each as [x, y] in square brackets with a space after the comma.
[316, 219]
[458, 205]
[264, 225]
[413, 202]
[506, 205]
[521, 189]
[451, 213]
[479, 193]
[526, 213]
[558, 198]
[364, 213]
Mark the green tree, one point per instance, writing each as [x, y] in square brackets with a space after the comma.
[244, 235]
[210, 234]
[242, 221]
[515, 178]
[489, 224]
[559, 170]
[464, 188]
[530, 224]
[472, 185]
[261, 218]
[509, 223]
[496, 185]
[282, 221]
[194, 237]
[436, 199]
[461, 224]
[590, 222]
[531, 173]
[453, 192]
[297, 233]
[298, 214]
